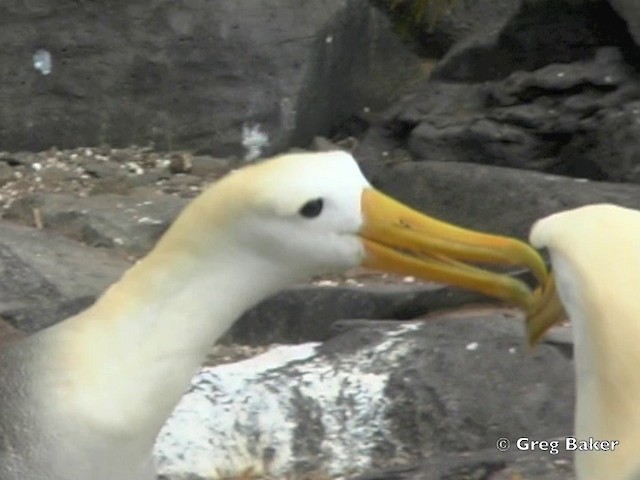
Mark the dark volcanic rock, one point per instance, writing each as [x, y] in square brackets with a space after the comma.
[310, 313]
[6, 173]
[482, 465]
[629, 10]
[557, 92]
[441, 25]
[130, 223]
[540, 32]
[495, 199]
[45, 278]
[224, 76]
[452, 421]
[547, 119]
[609, 148]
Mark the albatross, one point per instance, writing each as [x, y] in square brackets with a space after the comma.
[85, 398]
[595, 255]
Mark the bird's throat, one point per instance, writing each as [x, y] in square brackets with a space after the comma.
[123, 364]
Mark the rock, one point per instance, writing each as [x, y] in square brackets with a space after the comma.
[17, 158]
[103, 169]
[482, 465]
[562, 32]
[183, 179]
[150, 177]
[495, 199]
[7, 173]
[314, 313]
[568, 107]
[438, 393]
[443, 24]
[629, 10]
[547, 119]
[611, 146]
[577, 119]
[225, 76]
[58, 175]
[132, 224]
[322, 144]
[8, 333]
[180, 163]
[45, 277]
[95, 171]
[204, 166]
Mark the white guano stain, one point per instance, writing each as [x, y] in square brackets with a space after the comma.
[243, 416]
[254, 141]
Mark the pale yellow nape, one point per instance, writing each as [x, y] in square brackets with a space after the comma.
[595, 252]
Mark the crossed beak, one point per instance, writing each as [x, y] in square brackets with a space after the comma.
[400, 240]
[546, 312]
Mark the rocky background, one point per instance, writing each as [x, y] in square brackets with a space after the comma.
[488, 113]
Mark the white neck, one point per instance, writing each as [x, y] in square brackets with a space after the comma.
[607, 393]
[607, 375]
[124, 363]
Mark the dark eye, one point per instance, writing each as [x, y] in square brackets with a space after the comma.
[312, 208]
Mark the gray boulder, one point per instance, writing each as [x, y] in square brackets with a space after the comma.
[315, 312]
[241, 78]
[537, 33]
[629, 10]
[496, 199]
[444, 23]
[440, 393]
[547, 119]
[45, 277]
[129, 223]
